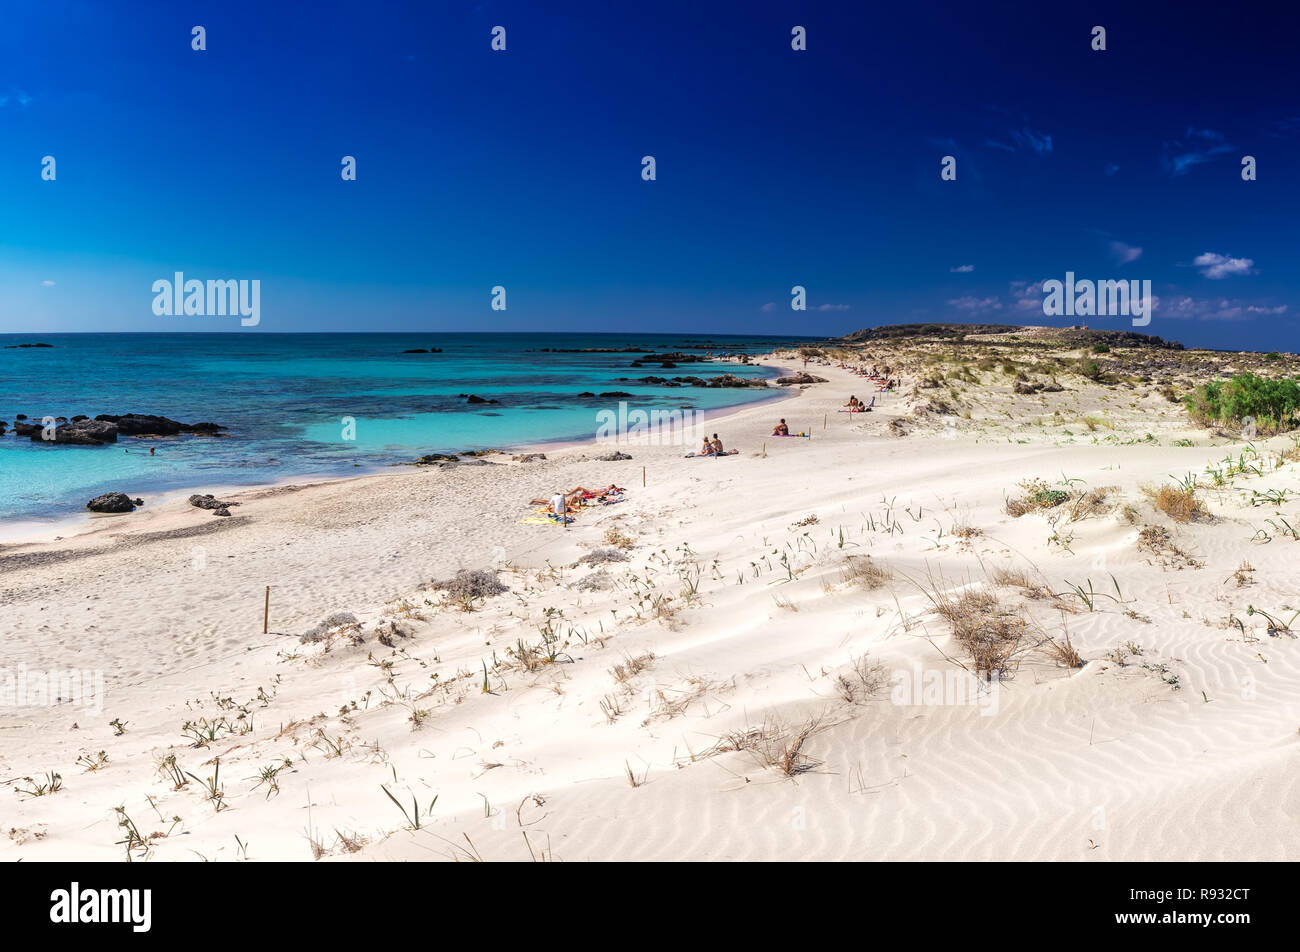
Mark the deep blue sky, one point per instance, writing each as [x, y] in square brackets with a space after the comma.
[775, 167]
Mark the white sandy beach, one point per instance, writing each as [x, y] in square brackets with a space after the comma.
[740, 619]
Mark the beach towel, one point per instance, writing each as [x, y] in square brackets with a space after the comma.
[712, 455]
[806, 436]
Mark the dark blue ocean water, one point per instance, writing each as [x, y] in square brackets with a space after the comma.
[284, 397]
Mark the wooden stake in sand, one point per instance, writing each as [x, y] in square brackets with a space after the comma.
[824, 418]
[266, 611]
[643, 477]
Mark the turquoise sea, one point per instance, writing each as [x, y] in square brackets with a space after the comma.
[284, 398]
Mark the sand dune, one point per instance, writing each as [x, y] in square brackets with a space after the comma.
[741, 616]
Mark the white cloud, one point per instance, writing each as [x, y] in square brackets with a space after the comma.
[971, 303]
[47, 283]
[769, 306]
[1213, 309]
[1028, 295]
[833, 307]
[962, 269]
[1215, 266]
[1123, 253]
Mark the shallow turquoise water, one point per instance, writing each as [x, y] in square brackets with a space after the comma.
[285, 396]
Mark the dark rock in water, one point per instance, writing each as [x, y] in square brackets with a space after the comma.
[586, 393]
[435, 350]
[148, 424]
[616, 393]
[79, 417]
[415, 350]
[25, 346]
[437, 458]
[616, 455]
[798, 379]
[21, 416]
[84, 433]
[26, 429]
[731, 380]
[475, 398]
[113, 502]
[487, 452]
[208, 501]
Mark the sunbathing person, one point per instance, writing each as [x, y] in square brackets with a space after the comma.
[854, 403]
[781, 429]
[707, 448]
[716, 446]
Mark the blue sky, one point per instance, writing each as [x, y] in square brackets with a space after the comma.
[522, 169]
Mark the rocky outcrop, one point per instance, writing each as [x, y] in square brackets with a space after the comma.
[799, 378]
[81, 433]
[148, 424]
[114, 502]
[208, 501]
[475, 398]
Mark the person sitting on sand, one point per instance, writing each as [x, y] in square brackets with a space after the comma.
[781, 429]
[854, 403]
[707, 448]
[716, 446]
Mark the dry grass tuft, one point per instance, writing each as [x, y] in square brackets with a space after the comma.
[862, 571]
[990, 632]
[1178, 503]
[864, 679]
[619, 539]
[631, 666]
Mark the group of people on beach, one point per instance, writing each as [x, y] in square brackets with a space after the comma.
[711, 447]
[574, 499]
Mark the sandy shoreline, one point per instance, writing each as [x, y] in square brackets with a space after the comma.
[32, 531]
[639, 709]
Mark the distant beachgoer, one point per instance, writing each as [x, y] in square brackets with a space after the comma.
[707, 448]
[151, 449]
[716, 445]
[854, 403]
[781, 429]
[558, 506]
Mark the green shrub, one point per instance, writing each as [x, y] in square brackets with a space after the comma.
[1090, 369]
[1101, 348]
[1271, 403]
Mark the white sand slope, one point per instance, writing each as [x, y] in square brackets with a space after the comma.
[1176, 739]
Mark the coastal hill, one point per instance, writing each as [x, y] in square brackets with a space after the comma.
[1075, 336]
